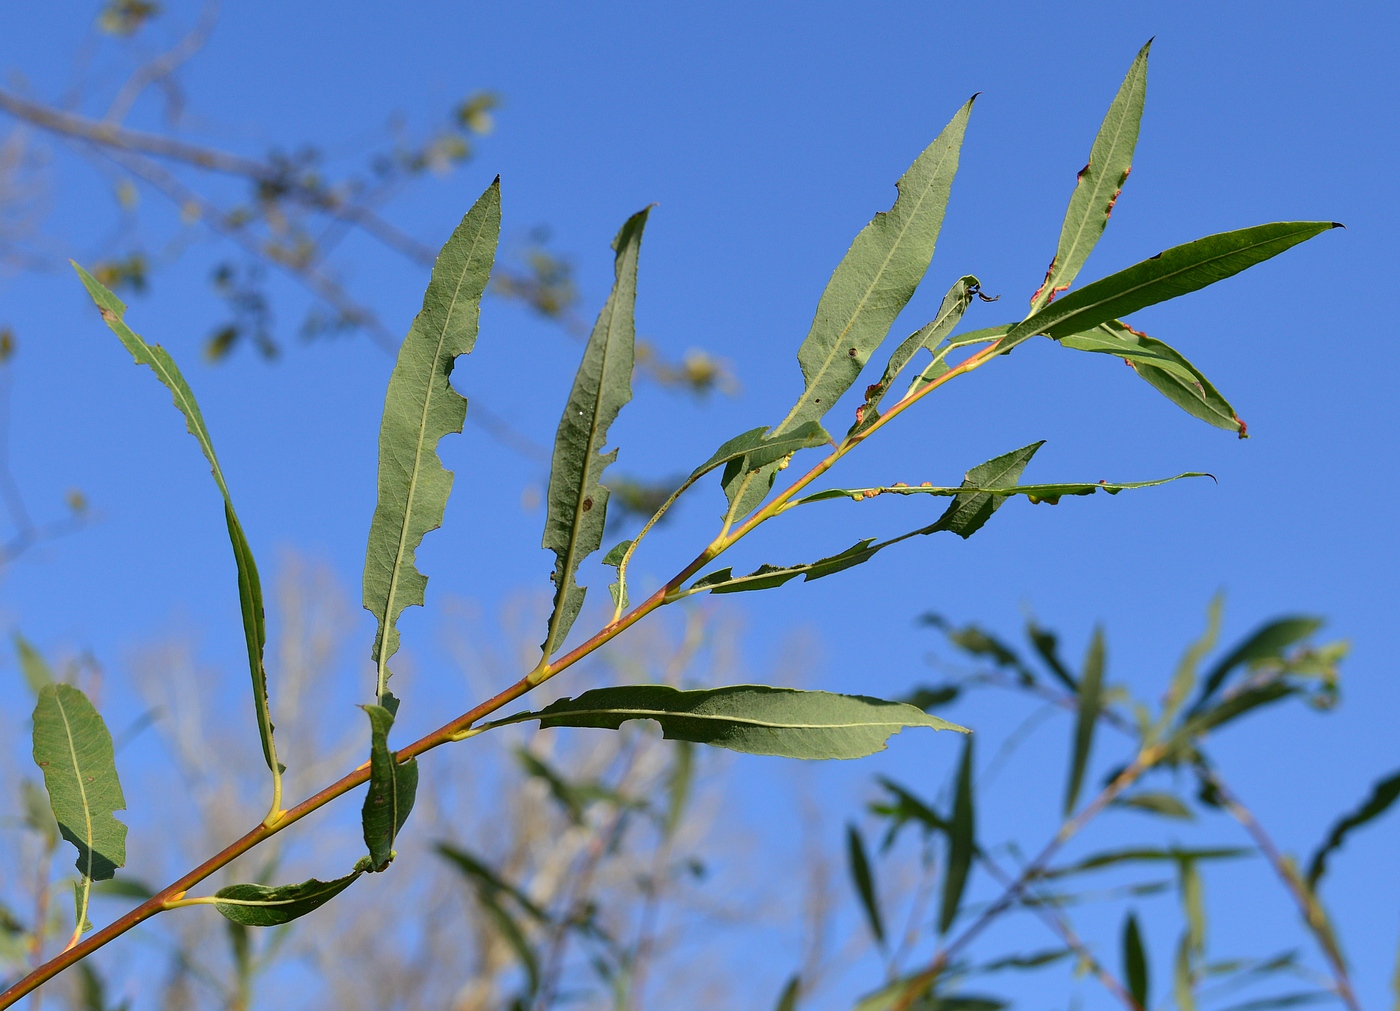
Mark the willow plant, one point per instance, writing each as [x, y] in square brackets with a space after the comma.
[868, 290]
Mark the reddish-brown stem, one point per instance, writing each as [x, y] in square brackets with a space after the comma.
[454, 730]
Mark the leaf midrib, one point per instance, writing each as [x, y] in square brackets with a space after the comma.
[274, 903]
[82, 787]
[865, 297]
[385, 618]
[659, 714]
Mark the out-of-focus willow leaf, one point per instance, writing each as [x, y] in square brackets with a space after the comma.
[1090, 705]
[977, 641]
[787, 1000]
[420, 408]
[754, 719]
[1166, 804]
[74, 750]
[1047, 644]
[32, 665]
[864, 881]
[1038, 960]
[930, 335]
[1233, 707]
[1383, 795]
[1183, 980]
[574, 797]
[1165, 368]
[392, 788]
[1172, 272]
[914, 993]
[877, 277]
[1184, 678]
[1135, 962]
[905, 807]
[270, 905]
[1265, 643]
[482, 876]
[679, 781]
[765, 577]
[490, 888]
[1098, 184]
[926, 697]
[123, 887]
[1037, 493]
[1192, 904]
[962, 843]
[249, 586]
[578, 501]
[1173, 854]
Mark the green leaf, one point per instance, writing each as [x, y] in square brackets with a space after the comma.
[249, 586]
[420, 408]
[787, 1000]
[939, 365]
[123, 887]
[906, 807]
[1173, 854]
[1183, 984]
[930, 335]
[678, 785]
[1265, 643]
[577, 500]
[877, 277]
[1383, 795]
[753, 452]
[1193, 904]
[1135, 962]
[1165, 804]
[1232, 708]
[614, 559]
[925, 697]
[1046, 643]
[766, 577]
[1165, 368]
[32, 665]
[490, 888]
[392, 787]
[754, 719]
[483, 877]
[74, 750]
[976, 641]
[38, 815]
[270, 905]
[970, 510]
[864, 881]
[1185, 677]
[1038, 960]
[962, 843]
[1172, 272]
[1098, 184]
[1090, 705]
[1037, 493]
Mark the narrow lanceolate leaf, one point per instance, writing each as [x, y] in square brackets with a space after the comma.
[1097, 187]
[1090, 705]
[1155, 802]
[1164, 368]
[74, 750]
[877, 277]
[864, 881]
[420, 408]
[765, 577]
[1193, 904]
[1135, 962]
[754, 719]
[392, 788]
[1037, 493]
[962, 843]
[1183, 981]
[1265, 643]
[1383, 795]
[1113, 858]
[577, 499]
[787, 1000]
[270, 905]
[1184, 678]
[1176, 271]
[32, 665]
[249, 586]
[930, 336]
[967, 513]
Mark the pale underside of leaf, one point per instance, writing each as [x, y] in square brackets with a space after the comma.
[74, 749]
[577, 500]
[249, 586]
[1098, 183]
[754, 719]
[420, 408]
[271, 905]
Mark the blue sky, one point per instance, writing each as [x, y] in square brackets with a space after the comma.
[768, 135]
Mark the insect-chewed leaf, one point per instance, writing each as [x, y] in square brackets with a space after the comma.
[270, 905]
[1164, 368]
[1098, 184]
[1383, 795]
[577, 499]
[864, 881]
[967, 513]
[1135, 962]
[1172, 272]
[392, 787]
[930, 336]
[962, 843]
[74, 749]
[1037, 493]
[1090, 704]
[420, 408]
[32, 665]
[249, 585]
[754, 719]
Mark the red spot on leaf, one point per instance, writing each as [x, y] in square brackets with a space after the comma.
[1048, 271]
